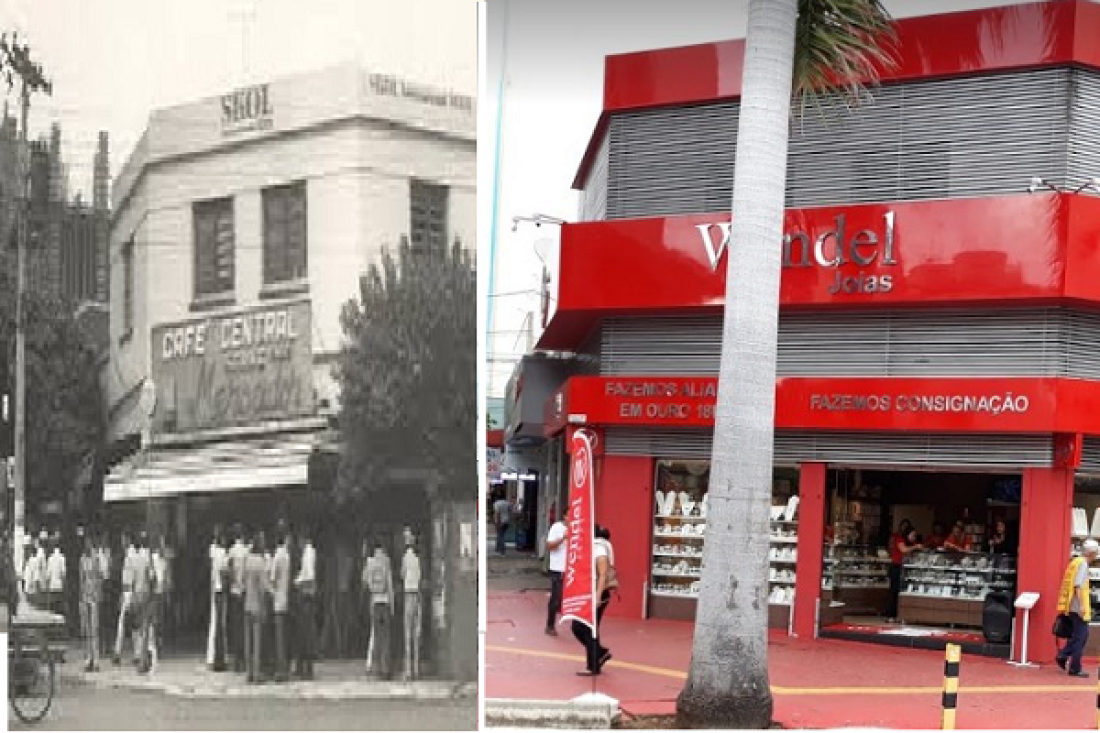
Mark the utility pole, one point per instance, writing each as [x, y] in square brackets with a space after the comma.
[17, 59]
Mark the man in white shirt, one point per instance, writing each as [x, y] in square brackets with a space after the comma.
[235, 626]
[127, 595]
[378, 582]
[305, 621]
[34, 575]
[55, 578]
[410, 581]
[280, 603]
[219, 585]
[556, 551]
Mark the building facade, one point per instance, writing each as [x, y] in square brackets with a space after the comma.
[938, 324]
[241, 227]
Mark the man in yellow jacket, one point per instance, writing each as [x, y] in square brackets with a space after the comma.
[1073, 600]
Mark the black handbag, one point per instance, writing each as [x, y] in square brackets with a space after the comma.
[1063, 627]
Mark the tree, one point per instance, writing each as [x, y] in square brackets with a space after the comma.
[65, 420]
[813, 48]
[407, 369]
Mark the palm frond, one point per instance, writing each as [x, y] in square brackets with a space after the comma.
[841, 47]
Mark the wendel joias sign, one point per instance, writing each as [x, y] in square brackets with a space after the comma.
[579, 584]
[233, 369]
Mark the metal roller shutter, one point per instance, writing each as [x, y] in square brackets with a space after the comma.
[945, 138]
[914, 450]
[594, 196]
[1034, 342]
[1090, 456]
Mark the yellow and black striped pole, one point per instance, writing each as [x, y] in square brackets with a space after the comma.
[950, 686]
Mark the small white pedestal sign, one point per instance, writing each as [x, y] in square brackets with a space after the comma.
[1025, 601]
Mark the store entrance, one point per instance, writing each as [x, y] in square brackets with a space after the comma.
[919, 558]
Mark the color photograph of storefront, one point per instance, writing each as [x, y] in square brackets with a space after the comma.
[937, 341]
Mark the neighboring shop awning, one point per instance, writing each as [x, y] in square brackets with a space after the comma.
[212, 468]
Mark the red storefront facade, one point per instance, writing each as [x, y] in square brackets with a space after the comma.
[899, 271]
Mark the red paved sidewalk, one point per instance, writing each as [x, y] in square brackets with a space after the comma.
[817, 683]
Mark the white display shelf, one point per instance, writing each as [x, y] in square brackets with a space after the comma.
[907, 594]
[862, 586]
[860, 573]
[668, 594]
[782, 561]
[688, 517]
[684, 555]
[955, 569]
[784, 540]
[670, 574]
[696, 537]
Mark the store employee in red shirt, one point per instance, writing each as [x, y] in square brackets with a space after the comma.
[957, 539]
[903, 542]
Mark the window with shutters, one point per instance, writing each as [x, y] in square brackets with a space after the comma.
[285, 233]
[127, 289]
[215, 245]
[428, 214]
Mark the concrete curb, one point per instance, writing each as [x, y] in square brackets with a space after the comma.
[593, 713]
[333, 691]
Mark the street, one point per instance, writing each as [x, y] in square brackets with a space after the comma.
[82, 707]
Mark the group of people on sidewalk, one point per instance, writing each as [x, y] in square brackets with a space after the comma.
[264, 608]
[596, 654]
[263, 604]
[144, 581]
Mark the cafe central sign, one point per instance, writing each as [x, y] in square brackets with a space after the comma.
[234, 369]
[832, 248]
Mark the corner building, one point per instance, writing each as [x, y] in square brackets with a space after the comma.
[939, 326]
[241, 226]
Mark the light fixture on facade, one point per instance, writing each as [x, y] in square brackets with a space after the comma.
[1038, 182]
[536, 219]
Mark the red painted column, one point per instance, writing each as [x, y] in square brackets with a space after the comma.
[811, 538]
[624, 504]
[1044, 552]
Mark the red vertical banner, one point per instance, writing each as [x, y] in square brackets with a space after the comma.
[579, 582]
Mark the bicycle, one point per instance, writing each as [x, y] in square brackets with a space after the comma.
[32, 665]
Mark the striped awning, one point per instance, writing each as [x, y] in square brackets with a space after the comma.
[234, 465]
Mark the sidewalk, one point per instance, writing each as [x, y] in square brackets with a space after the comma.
[188, 677]
[816, 683]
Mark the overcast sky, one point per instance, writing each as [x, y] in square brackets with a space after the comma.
[113, 61]
[553, 65]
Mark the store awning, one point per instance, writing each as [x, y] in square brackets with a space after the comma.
[212, 468]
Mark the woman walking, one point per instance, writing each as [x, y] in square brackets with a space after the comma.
[597, 655]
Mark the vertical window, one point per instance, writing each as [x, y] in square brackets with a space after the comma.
[285, 235]
[128, 287]
[428, 214]
[214, 247]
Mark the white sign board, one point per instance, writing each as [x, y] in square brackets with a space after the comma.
[1027, 601]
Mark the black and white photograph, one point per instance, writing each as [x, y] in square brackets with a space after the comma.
[239, 374]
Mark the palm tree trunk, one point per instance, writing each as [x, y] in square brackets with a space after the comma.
[727, 684]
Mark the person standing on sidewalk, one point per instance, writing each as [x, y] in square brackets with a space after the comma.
[305, 621]
[55, 578]
[126, 596]
[556, 551]
[378, 580]
[256, 588]
[413, 626]
[91, 595]
[141, 602]
[219, 591]
[597, 655]
[280, 604]
[157, 600]
[502, 516]
[1074, 601]
[235, 628]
